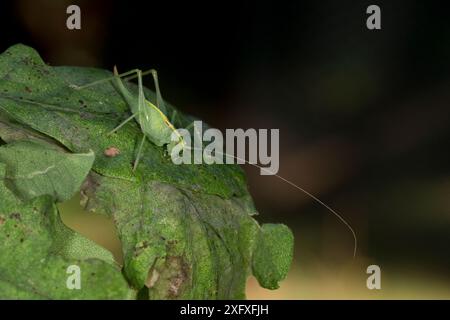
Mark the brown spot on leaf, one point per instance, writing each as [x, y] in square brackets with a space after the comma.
[112, 152]
[170, 278]
[179, 277]
[16, 215]
[2, 220]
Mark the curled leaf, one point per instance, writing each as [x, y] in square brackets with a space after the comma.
[36, 168]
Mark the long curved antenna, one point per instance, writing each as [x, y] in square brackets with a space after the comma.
[309, 194]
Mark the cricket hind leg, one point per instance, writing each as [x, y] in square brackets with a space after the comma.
[141, 97]
[139, 154]
[159, 100]
[107, 79]
[129, 75]
[141, 103]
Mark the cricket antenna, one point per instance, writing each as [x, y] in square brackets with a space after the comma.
[309, 194]
[323, 204]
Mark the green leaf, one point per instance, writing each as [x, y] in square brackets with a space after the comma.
[193, 245]
[37, 168]
[273, 255]
[35, 255]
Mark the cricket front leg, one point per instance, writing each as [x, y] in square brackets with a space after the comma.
[122, 124]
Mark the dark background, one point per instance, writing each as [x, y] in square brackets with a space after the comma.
[363, 116]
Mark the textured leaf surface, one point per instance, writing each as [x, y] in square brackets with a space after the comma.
[199, 246]
[37, 168]
[273, 254]
[37, 249]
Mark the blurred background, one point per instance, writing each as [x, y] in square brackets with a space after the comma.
[364, 118]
